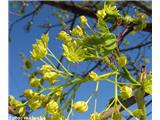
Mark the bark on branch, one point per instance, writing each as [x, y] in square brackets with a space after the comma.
[81, 10]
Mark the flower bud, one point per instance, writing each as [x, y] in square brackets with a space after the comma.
[117, 116]
[83, 20]
[51, 77]
[44, 99]
[21, 110]
[52, 107]
[28, 93]
[62, 35]
[40, 48]
[34, 103]
[77, 31]
[138, 113]
[80, 106]
[35, 82]
[125, 92]
[46, 68]
[93, 75]
[101, 13]
[122, 61]
[94, 116]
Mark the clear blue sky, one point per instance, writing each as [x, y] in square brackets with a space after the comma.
[22, 42]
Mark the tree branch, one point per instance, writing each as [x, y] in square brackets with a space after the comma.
[81, 10]
[127, 103]
[136, 47]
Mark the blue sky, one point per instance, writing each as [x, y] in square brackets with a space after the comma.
[22, 42]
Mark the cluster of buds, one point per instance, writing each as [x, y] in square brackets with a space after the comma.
[62, 35]
[125, 92]
[18, 106]
[35, 82]
[35, 100]
[77, 31]
[109, 9]
[80, 106]
[49, 74]
[83, 20]
[138, 113]
[40, 48]
[122, 61]
[117, 116]
[93, 76]
[52, 107]
[94, 116]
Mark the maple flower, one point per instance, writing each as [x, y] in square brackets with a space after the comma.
[40, 48]
[52, 107]
[125, 92]
[77, 31]
[80, 106]
[83, 20]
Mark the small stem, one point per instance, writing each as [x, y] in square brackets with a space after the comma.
[96, 90]
[89, 99]
[44, 61]
[116, 89]
[70, 111]
[50, 61]
[107, 75]
[90, 28]
[130, 112]
[109, 105]
[59, 62]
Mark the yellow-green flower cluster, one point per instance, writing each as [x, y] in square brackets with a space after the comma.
[109, 9]
[125, 92]
[37, 101]
[62, 35]
[28, 93]
[80, 106]
[77, 31]
[101, 13]
[17, 106]
[58, 91]
[83, 20]
[122, 61]
[117, 116]
[49, 74]
[74, 52]
[40, 48]
[94, 116]
[138, 113]
[52, 107]
[35, 82]
[92, 75]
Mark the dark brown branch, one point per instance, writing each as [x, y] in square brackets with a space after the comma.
[81, 10]
[23, 17]
[12, 112]
[147, 104]
[129, 102]
[147, 10]
[136, 47]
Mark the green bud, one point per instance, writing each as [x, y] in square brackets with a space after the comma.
[34, 103]
[35, 82]
[122, 61]
[94, 116]
[125, 92]
[28, 93]
[52, 107]
[93, 75]
[117, 116]
[80, 106]
[138, 113]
